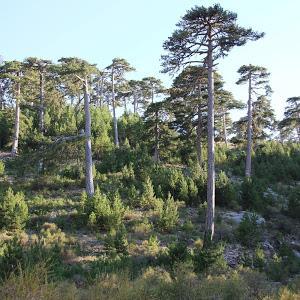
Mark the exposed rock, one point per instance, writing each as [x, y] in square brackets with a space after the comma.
[233, 254]
[238, 216]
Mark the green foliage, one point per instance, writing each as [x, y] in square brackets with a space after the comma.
[148, 198]
[284, 264]
[209, 257]
[16, 257]
[101, 212]
[13, 210]
[178, 252]
[252, 194]
[116, 241]
[50, 234]
[168, 214]
[226, 194]
[294, 203]
[2, 168]
[249, 231]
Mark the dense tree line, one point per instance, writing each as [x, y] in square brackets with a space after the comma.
[45, 103]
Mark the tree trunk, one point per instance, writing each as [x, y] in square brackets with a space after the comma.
[134, 103]
[249, 132]
[225, 129]
[210, 213]
[156, 146]
[14, 150]
[114, 111]
[88, 144]
[152, 96]
[125, 104]
[199, 131]
[41, 106]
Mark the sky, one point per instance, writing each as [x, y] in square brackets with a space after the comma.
[99, 30]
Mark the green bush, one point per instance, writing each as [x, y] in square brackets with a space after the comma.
[101, 212]
[148, 198]
[225, 192]
[116, 241]
[252, 194]
[13, 210]
[168, 214]
[2, 168]
[208, 257]
[249, 232]
[178, 252]
[294, 203]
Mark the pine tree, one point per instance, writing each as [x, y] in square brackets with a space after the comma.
[118, 68]
[208, 33]
[291, 120]
[257, 79]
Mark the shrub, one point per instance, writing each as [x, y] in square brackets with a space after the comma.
[210, 256]
[13, 210]
[50, 234]
[148, 199]
[2, 168]
[225, 191]
[143, 228]
[294, 203]
[168, 214]
[152, 245]
[202, 210]
[252, 194]
[116, 241]
[178, 252]
[100, 211]
[249, 232]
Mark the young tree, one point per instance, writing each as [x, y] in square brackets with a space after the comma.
[118, 68]
[257, 79]
[291, 120]
[203, 36]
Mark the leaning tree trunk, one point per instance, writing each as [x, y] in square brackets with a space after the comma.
[210, 213]
[156, 146]
[114, 112]
[249, 132]
[14, 150]
[41, 106]
[225, 129]
[199, 131]
[89, 183]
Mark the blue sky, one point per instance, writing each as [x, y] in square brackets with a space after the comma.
[98, 30]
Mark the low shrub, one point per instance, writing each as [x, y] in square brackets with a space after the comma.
[2, 168]
[249, 231]
[211, 256]
[101, 212]
[294, 203]
[116, 241]
[13, 210]
[168, 214]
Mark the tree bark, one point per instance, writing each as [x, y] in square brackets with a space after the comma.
[15, 144]
[156, 146]
[41, 106]
[225, 129]
[210, 213]
[249, 131]
[114, 111]
[88, 144]
[199, 131]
